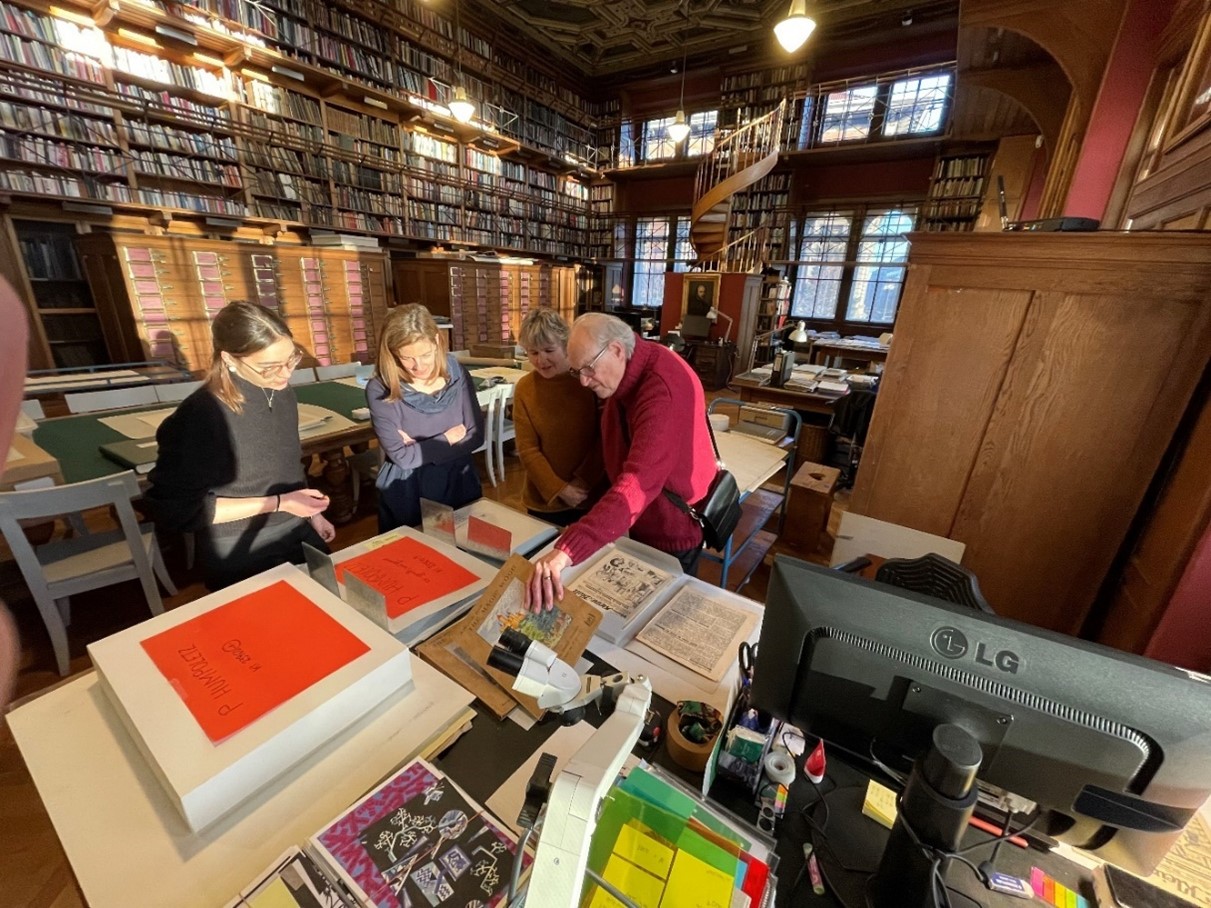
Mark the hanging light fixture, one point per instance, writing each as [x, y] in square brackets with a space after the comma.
[793, 31]
[461, 107]
[679, 129]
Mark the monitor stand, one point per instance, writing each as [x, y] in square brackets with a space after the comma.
[856, 841]
[934, 809]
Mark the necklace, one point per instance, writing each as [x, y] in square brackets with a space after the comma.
[269, 396]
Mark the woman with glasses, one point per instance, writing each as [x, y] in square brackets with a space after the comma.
[426, 417]
[229, 467]
[557, 424]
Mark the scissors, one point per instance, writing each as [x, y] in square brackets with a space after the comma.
[748, 653]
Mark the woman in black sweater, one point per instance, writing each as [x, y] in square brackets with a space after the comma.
[229, 467]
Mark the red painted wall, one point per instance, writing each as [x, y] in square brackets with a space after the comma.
[1181, 638]
[1124, 85]
[731, 298]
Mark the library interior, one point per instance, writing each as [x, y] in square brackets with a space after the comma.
[749, 453]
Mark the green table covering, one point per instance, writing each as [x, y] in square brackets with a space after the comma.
[75, 440]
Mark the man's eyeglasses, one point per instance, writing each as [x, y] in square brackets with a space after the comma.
[276, 369]
[587, 368]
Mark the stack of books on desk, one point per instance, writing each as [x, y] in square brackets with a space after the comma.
[753, 379]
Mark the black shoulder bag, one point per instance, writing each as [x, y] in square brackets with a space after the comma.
[717, 513]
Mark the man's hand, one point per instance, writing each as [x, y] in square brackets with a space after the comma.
[573, 494]
[456, 434]
[545, 587]
[326, 530]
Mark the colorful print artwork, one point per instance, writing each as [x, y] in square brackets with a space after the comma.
[510, 612]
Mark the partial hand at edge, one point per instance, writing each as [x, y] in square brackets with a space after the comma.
[546, 587]
[455, 434]
[573, 494]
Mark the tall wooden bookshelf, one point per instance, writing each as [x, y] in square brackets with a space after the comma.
[956, 192]
[285, 118]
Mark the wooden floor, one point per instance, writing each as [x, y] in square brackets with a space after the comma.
[34, 872]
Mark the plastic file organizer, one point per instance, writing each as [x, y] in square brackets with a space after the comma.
[184, 682]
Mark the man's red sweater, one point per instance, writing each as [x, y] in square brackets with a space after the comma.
[661, 401]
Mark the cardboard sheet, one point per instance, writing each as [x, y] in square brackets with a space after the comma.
[408, 573]
[461, 650]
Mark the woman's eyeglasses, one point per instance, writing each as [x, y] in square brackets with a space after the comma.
[587, 368]
[273, 370]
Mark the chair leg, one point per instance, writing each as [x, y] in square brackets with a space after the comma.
[161, 570]
[52, 617]
[64, 607]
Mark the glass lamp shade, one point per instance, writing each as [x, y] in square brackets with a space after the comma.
[793, 31]
[462, 108]
[679, 129]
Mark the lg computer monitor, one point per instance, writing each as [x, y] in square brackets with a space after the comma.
[1116, 749]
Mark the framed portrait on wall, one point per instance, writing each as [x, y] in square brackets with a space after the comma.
[699, 294]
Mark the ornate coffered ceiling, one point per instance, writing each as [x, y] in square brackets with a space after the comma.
[609, 37]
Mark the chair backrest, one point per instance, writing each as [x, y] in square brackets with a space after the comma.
[115, 491]
[33, 409]
[92, 401]
[331, 373]
[303, 376]
[935, 576]
[177, 391]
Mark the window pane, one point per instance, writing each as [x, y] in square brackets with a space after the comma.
[917, 105]
[657, 145]
[879, 274]
[847, 114]
[702, 132]
[626, 144]
[822, 257]
[805, 123]
[683, 255]
[651, 260]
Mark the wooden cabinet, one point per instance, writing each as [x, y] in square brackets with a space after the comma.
[1033, 387]
[713, 363]
[162, 293]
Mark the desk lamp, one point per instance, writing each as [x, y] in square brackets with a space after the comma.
[714, 314]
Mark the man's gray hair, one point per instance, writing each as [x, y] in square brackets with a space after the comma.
[541, 327]
[605, 329]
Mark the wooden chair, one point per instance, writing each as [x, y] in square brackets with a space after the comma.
[493, 401]
[92, 401]
[59, 569]
[176, 392]
[503, 430]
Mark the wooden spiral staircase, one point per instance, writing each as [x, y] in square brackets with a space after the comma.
[739, 160]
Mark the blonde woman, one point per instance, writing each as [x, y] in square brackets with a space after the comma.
[229, 466]
[557, 424]
[426, 417]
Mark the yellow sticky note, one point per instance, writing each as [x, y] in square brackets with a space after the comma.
[696, 884]
[639, 886]
[643, 850]
[276, 895]
[880, 804]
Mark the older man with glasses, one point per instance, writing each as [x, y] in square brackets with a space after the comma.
[654, 441]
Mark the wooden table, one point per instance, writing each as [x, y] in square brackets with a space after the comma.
[802, 401]
[872, 352]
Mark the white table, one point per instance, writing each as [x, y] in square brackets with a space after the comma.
[127, 843]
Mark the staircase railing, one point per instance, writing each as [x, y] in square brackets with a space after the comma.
[739, 149]
[745, 253]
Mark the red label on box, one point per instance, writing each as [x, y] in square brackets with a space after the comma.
[408, 573]
[234, 663]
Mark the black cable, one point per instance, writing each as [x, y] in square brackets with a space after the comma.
[1004, 828]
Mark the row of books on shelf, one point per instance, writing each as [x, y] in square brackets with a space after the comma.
[30, 149]
[952, 208]
[171, 139]
[288, 186]
[163, 164]
[957, 186]
[967, 166]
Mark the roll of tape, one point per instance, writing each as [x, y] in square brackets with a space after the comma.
[779, 767]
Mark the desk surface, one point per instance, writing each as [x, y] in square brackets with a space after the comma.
[75, 440]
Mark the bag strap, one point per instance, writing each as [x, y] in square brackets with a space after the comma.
[673, 496]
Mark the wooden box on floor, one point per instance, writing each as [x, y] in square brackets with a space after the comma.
[811, 501]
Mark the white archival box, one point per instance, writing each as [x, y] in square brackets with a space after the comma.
[206, 780]
[428, 616]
